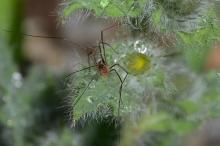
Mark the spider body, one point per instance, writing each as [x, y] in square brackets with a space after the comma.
[103, 68]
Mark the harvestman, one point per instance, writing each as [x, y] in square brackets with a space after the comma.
[103, 68]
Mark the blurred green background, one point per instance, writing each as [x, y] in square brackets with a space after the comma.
[175, 102]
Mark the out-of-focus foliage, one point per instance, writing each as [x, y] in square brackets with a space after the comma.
[22, 119]
[194, 112]
[197, 44]
[58, 138]
[11, 17]
[17, 98]
[178, 15]
[6, 13]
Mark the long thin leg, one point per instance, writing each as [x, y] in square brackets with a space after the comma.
[79, 71]
[107, 44]
[104, 52]
[95, 59]
[110, 46]
[120, 89]
[36, 36]
[119, 66]
[103, 56]
[79, 97]
[100, 51]
[103, 43]
[89, 63]
[46, 37]
[103, 46]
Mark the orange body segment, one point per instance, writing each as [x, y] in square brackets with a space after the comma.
[104, 71]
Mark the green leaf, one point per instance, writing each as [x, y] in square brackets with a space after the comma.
[189, 106]
[114, 11]
[73, 7]
[186, 37]
[156, 16]
[157, 122]
[104, 3]
[183, 127]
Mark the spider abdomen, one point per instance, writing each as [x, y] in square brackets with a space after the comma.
[104, 71]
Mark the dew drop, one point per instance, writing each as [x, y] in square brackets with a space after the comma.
[17, 79]
[92, 85]
[140, 47]
[90, 99]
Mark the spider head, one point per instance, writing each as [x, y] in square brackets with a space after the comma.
[103, 68]
[101, 64]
